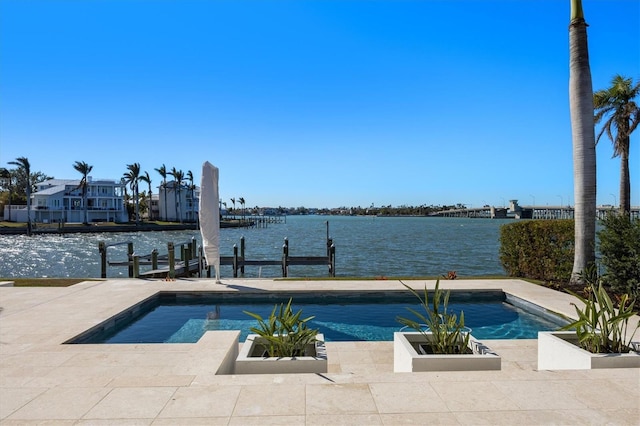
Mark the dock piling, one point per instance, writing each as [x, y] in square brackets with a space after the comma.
[130, 257]
[172, 260]
[242, 254]
[136, 266]
[102, 248]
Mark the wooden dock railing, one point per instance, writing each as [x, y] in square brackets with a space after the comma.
[192, 262]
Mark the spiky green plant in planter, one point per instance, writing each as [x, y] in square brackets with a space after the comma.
[443, 330]
[284, 333]
[601, 327]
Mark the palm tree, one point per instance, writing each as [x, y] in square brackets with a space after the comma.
[617, 103]
[163, 173]
[132, 177]
[24, 167]
[191, 189]
[178, 176]
[241, 201]
[233, 200]
[127, 199]
[84, 169]
[5, 175]
[146, 178]
[584, 143]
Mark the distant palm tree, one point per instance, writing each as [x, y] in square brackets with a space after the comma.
[241, 201]
[84, 169]
[192, 187]
[127, 199]
[146, 178]
[163, 173]
[233, 200]
[617, 102]
[24, 167]
[584, 143]
[178, 176]
[132, 177]
[5, 175]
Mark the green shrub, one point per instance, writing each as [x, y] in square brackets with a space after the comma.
[620, 254]
[538, 249]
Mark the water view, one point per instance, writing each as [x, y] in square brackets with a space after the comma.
[365, 246]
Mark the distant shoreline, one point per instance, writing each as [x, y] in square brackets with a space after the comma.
[111, 227]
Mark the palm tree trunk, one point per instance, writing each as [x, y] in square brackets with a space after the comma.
[625, 181]
[584, 146]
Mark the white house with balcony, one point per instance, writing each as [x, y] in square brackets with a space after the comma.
[60, 200]
[181, 204]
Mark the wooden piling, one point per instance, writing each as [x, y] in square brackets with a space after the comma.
[136, 266]
[172, 260]
[102, 248]
[130, 258]
[285, 258]
[332, 260]
[242, 254]
[235, 261]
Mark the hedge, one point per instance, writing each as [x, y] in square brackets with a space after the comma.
[538, 249]
[620, 253]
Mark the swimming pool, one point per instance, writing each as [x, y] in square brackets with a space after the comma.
[340, 316]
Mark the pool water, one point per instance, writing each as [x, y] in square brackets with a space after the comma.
[176, 318]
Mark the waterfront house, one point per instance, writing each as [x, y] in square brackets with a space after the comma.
[181, 202]
[60, 201]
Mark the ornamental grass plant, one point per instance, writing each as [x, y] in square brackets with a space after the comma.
[284, 333]
[443, 330]
[602, 327]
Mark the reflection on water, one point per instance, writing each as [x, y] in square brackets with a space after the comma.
[365, 246]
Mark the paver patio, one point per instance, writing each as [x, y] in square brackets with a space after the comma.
[45, 381]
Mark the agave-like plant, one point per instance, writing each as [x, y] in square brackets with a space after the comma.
[601, 327]
[285, 333]
[443, 330]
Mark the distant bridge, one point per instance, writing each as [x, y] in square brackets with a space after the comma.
[515, 211]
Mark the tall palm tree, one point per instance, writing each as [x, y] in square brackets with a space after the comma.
[5, 175]
[584, 143]
[233, 201]
[178, 177]
[617, 102]
[132, 177]
[24, 167]
[162, 170]
[127, 199]
[84, 169]
[146, 178]
[192, 187]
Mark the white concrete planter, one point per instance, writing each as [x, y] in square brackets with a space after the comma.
[249, 362]
[559, 350]
[406, 356]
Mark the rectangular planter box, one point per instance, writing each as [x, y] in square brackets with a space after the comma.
[248, 363]
[406, 356]
[559, 350]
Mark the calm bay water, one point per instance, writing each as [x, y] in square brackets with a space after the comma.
[365, 246]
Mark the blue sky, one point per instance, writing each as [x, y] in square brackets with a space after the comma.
[313, 103]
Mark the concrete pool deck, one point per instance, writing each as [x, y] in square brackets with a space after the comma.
[43, 381]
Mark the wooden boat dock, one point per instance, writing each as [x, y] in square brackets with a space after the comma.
[191, 261]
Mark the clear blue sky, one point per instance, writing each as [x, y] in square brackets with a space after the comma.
[313, 103]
